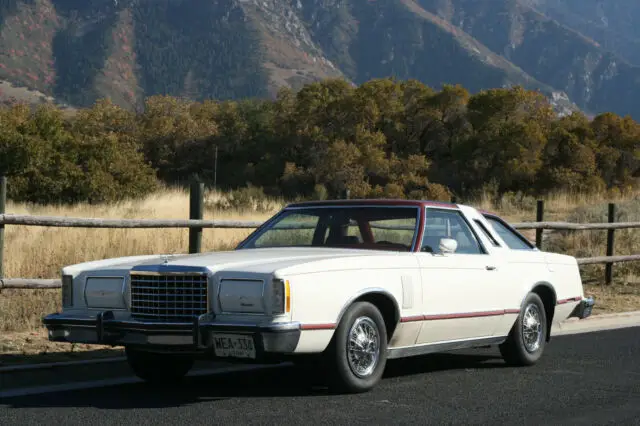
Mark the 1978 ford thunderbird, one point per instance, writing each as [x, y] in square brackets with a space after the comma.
[347, 284]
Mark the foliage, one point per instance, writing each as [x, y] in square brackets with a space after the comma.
[385, 138]
[90, 158]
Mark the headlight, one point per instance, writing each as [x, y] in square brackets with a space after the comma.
[105, 292]
[280, 297]
[67, 291]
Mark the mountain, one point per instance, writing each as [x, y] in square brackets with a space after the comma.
[612, 24]
[559, 56]
[80, 50]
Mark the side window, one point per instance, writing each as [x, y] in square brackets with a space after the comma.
[513, 240]
[486, 233]
[394, 231]
[449, 224]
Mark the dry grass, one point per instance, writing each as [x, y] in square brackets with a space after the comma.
[40, 252]
[37, 252]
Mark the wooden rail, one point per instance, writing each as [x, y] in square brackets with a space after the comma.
[196, 224]
[85, 222]
[568, 226]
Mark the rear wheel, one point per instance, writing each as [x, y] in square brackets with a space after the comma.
[158, 368]
[357, 354]
[528, 337]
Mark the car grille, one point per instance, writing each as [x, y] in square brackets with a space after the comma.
[168, 298]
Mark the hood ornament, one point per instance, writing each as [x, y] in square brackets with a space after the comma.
[165, 260]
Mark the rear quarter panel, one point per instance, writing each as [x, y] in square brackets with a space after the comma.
[524, 271]
[529, 269]
[565, 275]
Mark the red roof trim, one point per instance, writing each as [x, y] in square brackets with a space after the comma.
[487, 212]
[384, 202]
[420, 235]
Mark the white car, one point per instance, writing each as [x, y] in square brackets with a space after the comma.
[341, 286]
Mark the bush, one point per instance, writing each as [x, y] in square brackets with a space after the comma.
[50, 163]
[250, 198]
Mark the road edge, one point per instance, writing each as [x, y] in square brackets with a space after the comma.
[599, 322]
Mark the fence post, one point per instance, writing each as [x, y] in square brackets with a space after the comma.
[196, 209]
[608, 269]
[539, 218]
[3, 204]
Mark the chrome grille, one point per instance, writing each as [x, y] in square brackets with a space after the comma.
[168, 298]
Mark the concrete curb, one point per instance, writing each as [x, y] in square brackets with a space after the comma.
[594, 323]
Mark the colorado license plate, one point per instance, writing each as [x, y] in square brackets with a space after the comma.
[234, 345]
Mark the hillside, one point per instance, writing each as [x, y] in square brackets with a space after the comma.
[78, 51]
[613, 24]
[556, 55]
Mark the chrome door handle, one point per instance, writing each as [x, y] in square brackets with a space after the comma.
[490, 268]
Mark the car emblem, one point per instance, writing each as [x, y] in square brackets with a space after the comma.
[165, 260]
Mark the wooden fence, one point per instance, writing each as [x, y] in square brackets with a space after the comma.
[196, 224]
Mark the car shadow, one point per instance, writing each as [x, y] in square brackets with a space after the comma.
[275, 382]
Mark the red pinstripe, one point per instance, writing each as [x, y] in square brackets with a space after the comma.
[317, 326]
[569, 300]
[414, 318]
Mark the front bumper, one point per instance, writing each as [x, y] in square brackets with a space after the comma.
[104, 329]
[583, 308]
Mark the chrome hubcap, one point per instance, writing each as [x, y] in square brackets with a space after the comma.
[363, 346]
[532, 328]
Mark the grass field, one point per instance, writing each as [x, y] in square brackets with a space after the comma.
[40, 252]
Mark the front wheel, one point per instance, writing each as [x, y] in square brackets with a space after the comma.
[158, 368]
[527, 338]
[357, 354]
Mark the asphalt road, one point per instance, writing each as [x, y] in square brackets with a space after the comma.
[591, 378]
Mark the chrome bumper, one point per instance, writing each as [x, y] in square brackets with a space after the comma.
[583, 309]
[104, 329]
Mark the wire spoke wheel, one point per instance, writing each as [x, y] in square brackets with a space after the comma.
[532, 328]
[363, 347]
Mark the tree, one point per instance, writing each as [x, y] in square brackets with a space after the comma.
[510, 128]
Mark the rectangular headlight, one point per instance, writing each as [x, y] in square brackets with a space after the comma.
[67, 291]
[280, 297]
[105, 292]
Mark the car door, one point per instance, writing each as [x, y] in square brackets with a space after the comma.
[460, 289]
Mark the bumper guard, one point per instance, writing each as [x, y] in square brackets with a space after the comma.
[198, 336]
[583, 309]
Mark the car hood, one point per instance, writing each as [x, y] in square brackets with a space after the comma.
[258, 260]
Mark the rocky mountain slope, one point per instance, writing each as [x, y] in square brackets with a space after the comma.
[612, 24]
[80, 50]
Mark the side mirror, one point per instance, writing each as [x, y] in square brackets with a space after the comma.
[448, 245]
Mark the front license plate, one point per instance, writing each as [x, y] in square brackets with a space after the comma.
[234, 345]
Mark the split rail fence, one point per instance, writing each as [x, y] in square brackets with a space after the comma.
[196, 224]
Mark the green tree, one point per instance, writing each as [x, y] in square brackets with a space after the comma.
[510, 128]
[618, 148]
[569, 159]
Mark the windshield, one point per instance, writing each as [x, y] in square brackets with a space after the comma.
[377, 228]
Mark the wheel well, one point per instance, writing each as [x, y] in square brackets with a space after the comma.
[387, 308]
[548, 297]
